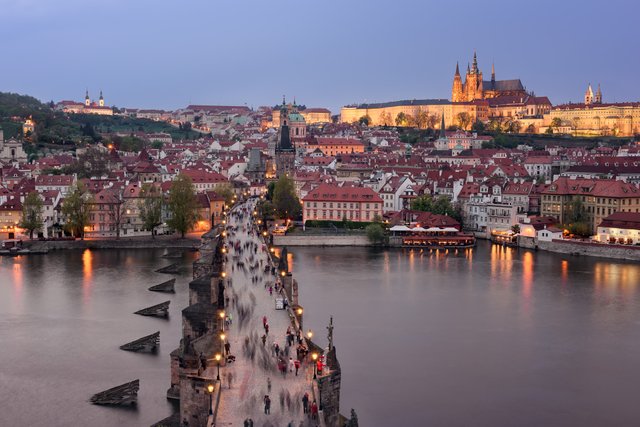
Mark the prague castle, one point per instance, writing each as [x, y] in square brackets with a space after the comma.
[472, 100]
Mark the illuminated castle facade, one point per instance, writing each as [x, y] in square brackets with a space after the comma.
[88, 107]
[475, 88]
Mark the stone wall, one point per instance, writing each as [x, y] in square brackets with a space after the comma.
[301, 240]
[123, 243]
[329, 388]
[194, 401]
[592, 249]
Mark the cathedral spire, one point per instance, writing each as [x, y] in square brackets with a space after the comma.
[443, 135]
[457, 69]
[474, 69]
[493, 72]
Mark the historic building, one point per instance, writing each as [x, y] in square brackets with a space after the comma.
[599, 198]
[474, 87]
[88, 107]
[310, 115]
[593, 117]
[332, 203]
[417, 112]
[285, 153]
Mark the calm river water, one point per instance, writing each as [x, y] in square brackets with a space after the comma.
[489, 337]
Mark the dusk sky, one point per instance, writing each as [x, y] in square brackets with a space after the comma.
[168, 54]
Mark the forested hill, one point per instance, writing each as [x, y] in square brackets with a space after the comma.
[57, 128]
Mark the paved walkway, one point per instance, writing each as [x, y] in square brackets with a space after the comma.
[256, 363]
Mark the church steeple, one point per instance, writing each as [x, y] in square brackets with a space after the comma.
[101, 100]
[457, 69]
[588, 96]
[442, 135]
[493, 72]
[598, 95]
[474, 68]
[87, 100]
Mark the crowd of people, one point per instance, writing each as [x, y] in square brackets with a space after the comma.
[249, 260]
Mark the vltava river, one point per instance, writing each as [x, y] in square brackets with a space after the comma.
[489, 337]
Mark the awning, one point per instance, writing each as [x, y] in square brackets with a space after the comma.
[399, 228]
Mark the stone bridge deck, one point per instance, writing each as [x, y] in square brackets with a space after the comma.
[243, 398]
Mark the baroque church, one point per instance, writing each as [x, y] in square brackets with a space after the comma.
[474, 87]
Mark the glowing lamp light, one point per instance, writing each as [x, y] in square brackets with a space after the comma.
[222, 314]
[223, 337]
[283, 273]
[224, 274]
[299, 311]
[210, 388]
[309, 334]
[218, 357]
[314, 356]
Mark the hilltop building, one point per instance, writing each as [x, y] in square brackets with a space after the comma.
[88, 107]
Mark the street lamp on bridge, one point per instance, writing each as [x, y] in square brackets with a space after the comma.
[210, 389]
[218, 357]
[314, 356]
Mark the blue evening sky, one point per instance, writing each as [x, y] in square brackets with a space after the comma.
[167, 54]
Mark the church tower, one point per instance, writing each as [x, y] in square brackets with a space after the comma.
[87, 100]
[598, 99]
[457, 90]
[285, 155]
[474, 81]
[101, 101]
[588, 96]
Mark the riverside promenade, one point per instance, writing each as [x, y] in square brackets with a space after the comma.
[255, 372]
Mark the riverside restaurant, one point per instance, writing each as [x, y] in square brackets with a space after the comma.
[432, 237]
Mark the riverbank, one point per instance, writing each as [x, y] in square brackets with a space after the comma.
[601, 250]
[160, 242]
[321, 240]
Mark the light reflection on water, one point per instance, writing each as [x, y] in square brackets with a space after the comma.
[62, 318]
[490, 336]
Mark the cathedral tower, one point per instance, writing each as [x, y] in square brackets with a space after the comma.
[457, 90]
[87, 100]
[101, 101]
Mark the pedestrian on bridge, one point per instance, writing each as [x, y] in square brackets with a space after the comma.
[267, 404]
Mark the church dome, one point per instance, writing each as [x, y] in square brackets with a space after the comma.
[296, 118]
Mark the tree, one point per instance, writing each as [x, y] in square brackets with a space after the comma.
[151, 207]
[437, 205]
[76, 209]
[421, 118]
[531, 129]
[364, 120]
[226, 191]
[495, 125]
[577, 210]
[375, 233]
[515, 228]
[401, 119]
[32, 214]
[285, 199]
[157, 144]
[478, 126]
[182, 205]
[385, 118]
[463, 120]
[118, 210]
[432, 120]
[556, 123]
